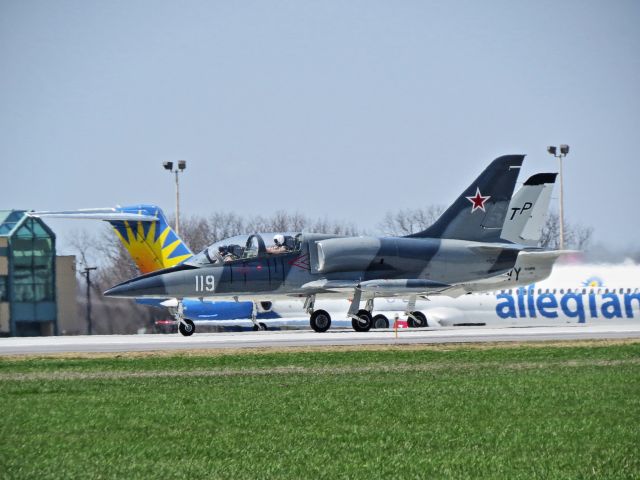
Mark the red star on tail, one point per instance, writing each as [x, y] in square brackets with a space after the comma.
[478, 201]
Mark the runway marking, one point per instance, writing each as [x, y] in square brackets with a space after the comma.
[296, 370]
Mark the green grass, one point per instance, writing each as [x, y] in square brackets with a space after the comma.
[551, 412]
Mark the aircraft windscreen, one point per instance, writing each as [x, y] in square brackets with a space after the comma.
[247, 247]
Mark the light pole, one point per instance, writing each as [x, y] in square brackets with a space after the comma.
[87, 275]
[182, 165]
[560, 153]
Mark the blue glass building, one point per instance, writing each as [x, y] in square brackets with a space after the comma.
[27, 276]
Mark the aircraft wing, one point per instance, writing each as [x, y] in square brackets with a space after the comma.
[380, 287]
[107, 214]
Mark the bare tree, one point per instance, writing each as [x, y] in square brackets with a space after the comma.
[408, 221]
[575, 236]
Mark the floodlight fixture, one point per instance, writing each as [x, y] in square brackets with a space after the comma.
[564, 150]
[180, 167]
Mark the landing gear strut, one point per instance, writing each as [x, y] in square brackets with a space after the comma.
[185, 326]
[254, 314]
[416, 318]
[361, 320]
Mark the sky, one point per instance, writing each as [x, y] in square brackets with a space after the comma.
[339, 110]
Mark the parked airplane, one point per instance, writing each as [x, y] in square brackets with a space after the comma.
[463, 247]
[575, 294]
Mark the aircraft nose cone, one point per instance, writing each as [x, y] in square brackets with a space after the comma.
[140, 287]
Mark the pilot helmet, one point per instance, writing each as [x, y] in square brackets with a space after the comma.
[278, 240]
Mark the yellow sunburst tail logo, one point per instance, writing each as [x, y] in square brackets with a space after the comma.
[153, 245]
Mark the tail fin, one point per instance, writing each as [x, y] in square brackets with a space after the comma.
[479, 213]
[528, 209]
[142, 229]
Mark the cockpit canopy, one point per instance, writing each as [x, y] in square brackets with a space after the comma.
[247, 247]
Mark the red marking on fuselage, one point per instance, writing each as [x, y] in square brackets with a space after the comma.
[301, 261]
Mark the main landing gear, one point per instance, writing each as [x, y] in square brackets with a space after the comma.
[185, 326]
[416, 318]
[361, 320]
[320, 320]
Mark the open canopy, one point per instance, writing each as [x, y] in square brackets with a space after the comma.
[244, 247]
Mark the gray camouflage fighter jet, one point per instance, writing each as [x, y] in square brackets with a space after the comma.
[463, 246]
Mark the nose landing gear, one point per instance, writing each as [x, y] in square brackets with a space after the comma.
[185, 326]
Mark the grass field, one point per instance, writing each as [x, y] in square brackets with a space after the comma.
[554, 411]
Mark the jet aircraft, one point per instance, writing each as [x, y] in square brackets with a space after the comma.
[152, 244]
[464, 247]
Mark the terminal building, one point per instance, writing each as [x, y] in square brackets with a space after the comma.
[37, 288]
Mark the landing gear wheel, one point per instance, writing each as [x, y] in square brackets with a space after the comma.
[419, 322]
[260, 326]
[320, 321]
[363, 323]
[186, 327]
[380, 321]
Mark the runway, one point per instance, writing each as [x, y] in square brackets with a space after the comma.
[307, 338]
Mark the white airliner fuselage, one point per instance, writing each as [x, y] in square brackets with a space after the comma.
[573, 294]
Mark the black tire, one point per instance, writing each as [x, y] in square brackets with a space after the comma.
[263, 326]
[419, 322]
[363, 323]
[320, 321]
[380, 321]
[186, 327]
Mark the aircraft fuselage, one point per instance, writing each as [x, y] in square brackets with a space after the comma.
[329, 266]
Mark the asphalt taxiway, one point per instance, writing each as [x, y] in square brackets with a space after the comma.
[307, 338]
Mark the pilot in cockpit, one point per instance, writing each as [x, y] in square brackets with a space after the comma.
[278, 245]
[281, 244]
[226, 253]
